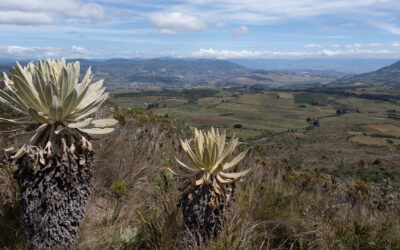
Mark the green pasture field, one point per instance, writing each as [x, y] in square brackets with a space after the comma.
[266, 111]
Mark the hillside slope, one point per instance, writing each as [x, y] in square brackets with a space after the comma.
[350, 66]
[282, 204]
[158, 72]
[389, 75]
[184, 73]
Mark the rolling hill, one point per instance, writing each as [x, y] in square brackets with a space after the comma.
[151, 73]
[187, 73]
[347, 65]
[279, 78]
[169, 66]
[164, 73]
[389, 75]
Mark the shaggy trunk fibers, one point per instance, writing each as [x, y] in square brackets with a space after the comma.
[204, 213]
[54, 193]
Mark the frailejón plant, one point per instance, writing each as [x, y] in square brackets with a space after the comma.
[55, 161]
[49, 95]
[207, 200]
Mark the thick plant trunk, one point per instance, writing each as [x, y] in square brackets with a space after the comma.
[204, 213]
[54, 194]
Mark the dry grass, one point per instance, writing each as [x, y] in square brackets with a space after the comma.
[137, 155]
[279, 208]
[285, 95]
[383, 129]
[10, 231]
[368, 140]
[283, 204]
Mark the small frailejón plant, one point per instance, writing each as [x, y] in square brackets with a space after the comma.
[55, 161]
[207, 201]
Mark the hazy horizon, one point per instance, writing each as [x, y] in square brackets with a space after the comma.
[224, 29]
[345, 65]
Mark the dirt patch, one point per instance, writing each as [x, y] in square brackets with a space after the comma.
[327, 110]
[382, 128]
[285, 95]
[368, 140]
[354, 132]
[359, 84]
[98, 210]
[386, 128]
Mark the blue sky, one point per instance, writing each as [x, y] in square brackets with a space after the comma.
[200, 28]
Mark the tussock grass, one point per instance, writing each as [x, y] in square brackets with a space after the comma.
[279, 206]
[11, 235]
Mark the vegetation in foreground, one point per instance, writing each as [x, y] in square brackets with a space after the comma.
[206, 202]
[331, 183]
[55, 161]
[281, 205]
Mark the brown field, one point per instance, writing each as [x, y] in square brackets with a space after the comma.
[381, 129]
[328, 110]
[286, 95]
[384, 128]
[368, 140]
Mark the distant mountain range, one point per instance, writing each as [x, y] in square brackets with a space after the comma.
[389, 75]
[145, 73]
[161, 73]
[176, 67]
[350, 66]
[279, 78]
[180, 73]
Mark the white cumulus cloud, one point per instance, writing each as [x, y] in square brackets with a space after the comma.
[224, 54]
[23, 53]
[389, 28]
[168, 23]
[14, 49]
[80, 50]
[313, 46]
[167, 31]
[396, 44]
[36, 12]
[24, 18]
[268, 11]
[220, 24]
[372, 45]
[354, 52]
[356, 45]
[241, 31]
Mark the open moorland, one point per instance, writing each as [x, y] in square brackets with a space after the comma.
[324, 163]
[331, 185]
[330, 131]
[249, 113]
